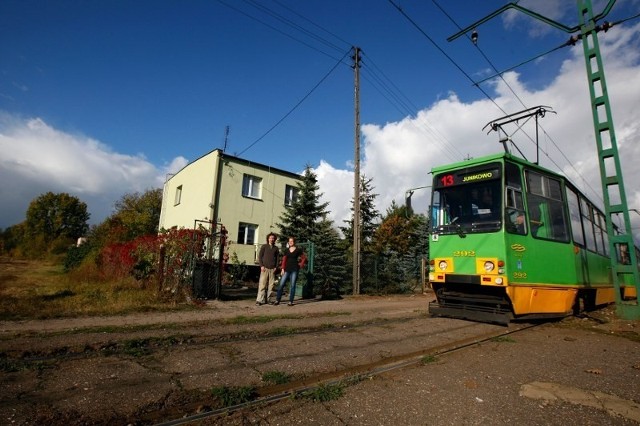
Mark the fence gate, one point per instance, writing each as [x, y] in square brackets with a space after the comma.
[207, 260]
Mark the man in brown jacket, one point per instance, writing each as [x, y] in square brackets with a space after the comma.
[268, 261]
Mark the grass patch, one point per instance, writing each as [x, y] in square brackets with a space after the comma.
[14, 365]
[324, 392]
[229, 396]
[143, 347]
[243, 320]
[41, 290]
[428, 359]
[276, 377]
[283, 331]
[136, 347]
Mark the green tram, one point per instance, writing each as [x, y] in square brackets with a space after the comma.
[513, 240]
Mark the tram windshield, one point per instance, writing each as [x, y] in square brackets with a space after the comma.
[467, 201]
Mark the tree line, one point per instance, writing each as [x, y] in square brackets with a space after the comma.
[393, 243]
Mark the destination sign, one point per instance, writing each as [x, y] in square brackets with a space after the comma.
[465, 176]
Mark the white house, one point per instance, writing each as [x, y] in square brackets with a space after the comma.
[248, 198]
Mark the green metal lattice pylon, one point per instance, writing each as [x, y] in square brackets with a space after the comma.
[624, 271]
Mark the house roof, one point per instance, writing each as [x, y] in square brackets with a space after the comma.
[225, 156]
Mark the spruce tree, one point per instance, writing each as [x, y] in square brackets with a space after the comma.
[306, 220]
[330, 269]
[300, 220]
[368, 212]
[370, 217]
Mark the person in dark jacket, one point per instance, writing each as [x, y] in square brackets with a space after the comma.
[293, 259]
[268, 261]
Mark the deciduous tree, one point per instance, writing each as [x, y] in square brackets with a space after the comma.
[139, 213]
[52, 216]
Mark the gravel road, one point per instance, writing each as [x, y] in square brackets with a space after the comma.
[115, 370]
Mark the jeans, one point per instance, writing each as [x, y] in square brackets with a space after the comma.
[292, 276]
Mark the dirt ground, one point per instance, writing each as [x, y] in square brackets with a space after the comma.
[113, 370]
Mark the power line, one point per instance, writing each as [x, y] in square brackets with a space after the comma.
[292, 24]
[380, 82]
[455, 64]
[262, 22]
[297, 104]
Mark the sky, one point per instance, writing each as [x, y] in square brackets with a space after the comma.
[103, 98]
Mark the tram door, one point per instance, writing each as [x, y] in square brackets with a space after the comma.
[581, 259]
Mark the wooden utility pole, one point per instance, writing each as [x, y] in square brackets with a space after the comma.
[356, 176]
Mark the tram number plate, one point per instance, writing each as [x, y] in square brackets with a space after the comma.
[464, 253]
[520, 275]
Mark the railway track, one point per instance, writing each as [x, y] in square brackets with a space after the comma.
[353, 374]
[154, 376]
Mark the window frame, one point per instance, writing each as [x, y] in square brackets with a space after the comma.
[247, 233]
[290, 194]
[546, 191]
[178, 196]
[251, 186]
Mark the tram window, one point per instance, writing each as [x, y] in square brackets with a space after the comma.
[483, 201]
[601, 234]
[514, 212]
[605, 235]
[587, 222]
[514, 199]
[514, 217]
[534, 183]
[554, 189]
[547, 213]
[597, 230]
[573, 203]
[512, 176]
[436, 211]
[470, 208]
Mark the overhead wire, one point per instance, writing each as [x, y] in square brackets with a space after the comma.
[441, 50]
[408, 108]
[292, 24]
[311, 22]
[242, 12]
[500, 75]
[382, 84]
[296, 105]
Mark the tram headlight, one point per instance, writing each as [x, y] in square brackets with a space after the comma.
[489, 266]
[442, 265]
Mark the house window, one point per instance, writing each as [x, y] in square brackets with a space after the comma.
[247, 233]
[178, 195]
[251, 186]
[290, 195]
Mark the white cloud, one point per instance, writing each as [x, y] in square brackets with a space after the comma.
[399, 155]
[36, 158]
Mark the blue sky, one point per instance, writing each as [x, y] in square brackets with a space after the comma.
[103, 98]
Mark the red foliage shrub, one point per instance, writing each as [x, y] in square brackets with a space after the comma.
[141, 256]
